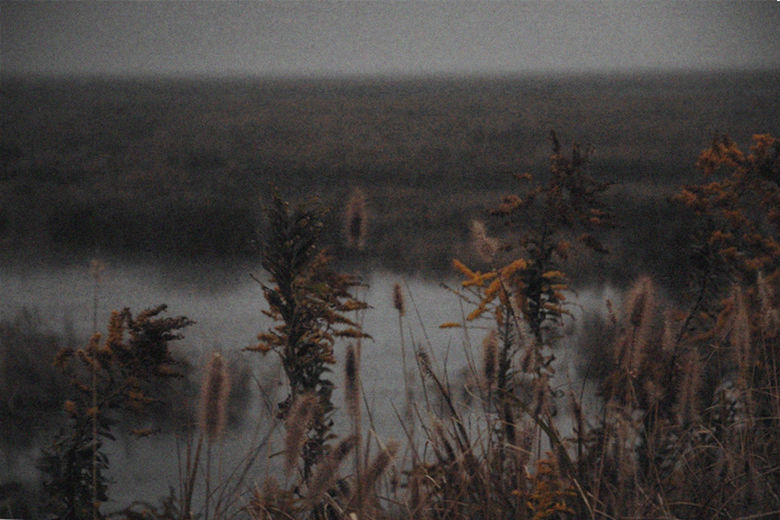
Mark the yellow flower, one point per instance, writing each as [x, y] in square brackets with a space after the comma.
[492, 290]
[479, 279]
[460, 266]
[513, 267]
[476, 313]
[450, 325]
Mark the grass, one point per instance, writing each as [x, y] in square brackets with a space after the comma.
[685, 411]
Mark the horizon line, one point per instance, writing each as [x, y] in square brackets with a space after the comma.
[382, 76]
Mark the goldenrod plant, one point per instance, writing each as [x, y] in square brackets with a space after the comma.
[308, 303]
[115, 377]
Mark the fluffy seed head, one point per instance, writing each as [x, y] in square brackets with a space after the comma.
[96, 269]
[326, 474]
[668, 339]
[489, 360]
[770, 314]
[690, 383]
[352, 383]
[297, 424]
[398, 300]
[485, 246]
[356, 219]
[540, 403]
[380, 464]
[639, 307]
[213, 398]
[740, 334]
[425, 363]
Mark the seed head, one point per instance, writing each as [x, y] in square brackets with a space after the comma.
[398, 300]
[688, 398]
[352, 383]
[326, 474]
[213, 398]
[356, 220]
[489, 359]
[380, 464]
[297, 424]
[639, 307]
[740, 335]
[485, 246]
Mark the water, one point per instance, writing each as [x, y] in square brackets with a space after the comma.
[227, 305]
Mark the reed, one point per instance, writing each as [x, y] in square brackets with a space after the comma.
[638, 315]
[740, 337]
[214, 394]
[768, 312]
[485, 246]
[356, 220]
[213, 411]
[327, 472]
[380, 464]
[399, 302]
[352, 383]
[688, 402]
[364, 490]
[489, 361]
[297, 423]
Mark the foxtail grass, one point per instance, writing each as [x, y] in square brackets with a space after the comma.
[213, 411]
[688, 404]
[214, 398]
[364, 490]
[485, 246]
[352, 383]
[356, 220]
[638, 312]
[297, 423]
[489, 361]
[327, 471]
[399, 302]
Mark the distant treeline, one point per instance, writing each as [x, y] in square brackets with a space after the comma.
[180, 168]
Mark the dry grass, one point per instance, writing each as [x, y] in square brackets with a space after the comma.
[684, 423]
[214, 397]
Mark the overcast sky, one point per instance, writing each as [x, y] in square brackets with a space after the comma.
[387, 37]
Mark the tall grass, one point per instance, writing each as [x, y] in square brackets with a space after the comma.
[683, 422]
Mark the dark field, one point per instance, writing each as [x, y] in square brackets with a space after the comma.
[167, 169]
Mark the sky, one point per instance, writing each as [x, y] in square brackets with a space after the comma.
[315, 38]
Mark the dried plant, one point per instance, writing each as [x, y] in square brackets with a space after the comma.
[688, 402]
[309, 302]
[120, 376]
[356, 219]
[485, 246]
[213, 398]
[639, 313]
[399, 302]
[489, 361]
[327, 472]
[352, 383]
[297, 422]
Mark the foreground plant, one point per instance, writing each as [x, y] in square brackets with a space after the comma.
[737, 226]
[113, 379]
[308, 302]
[520, 299]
